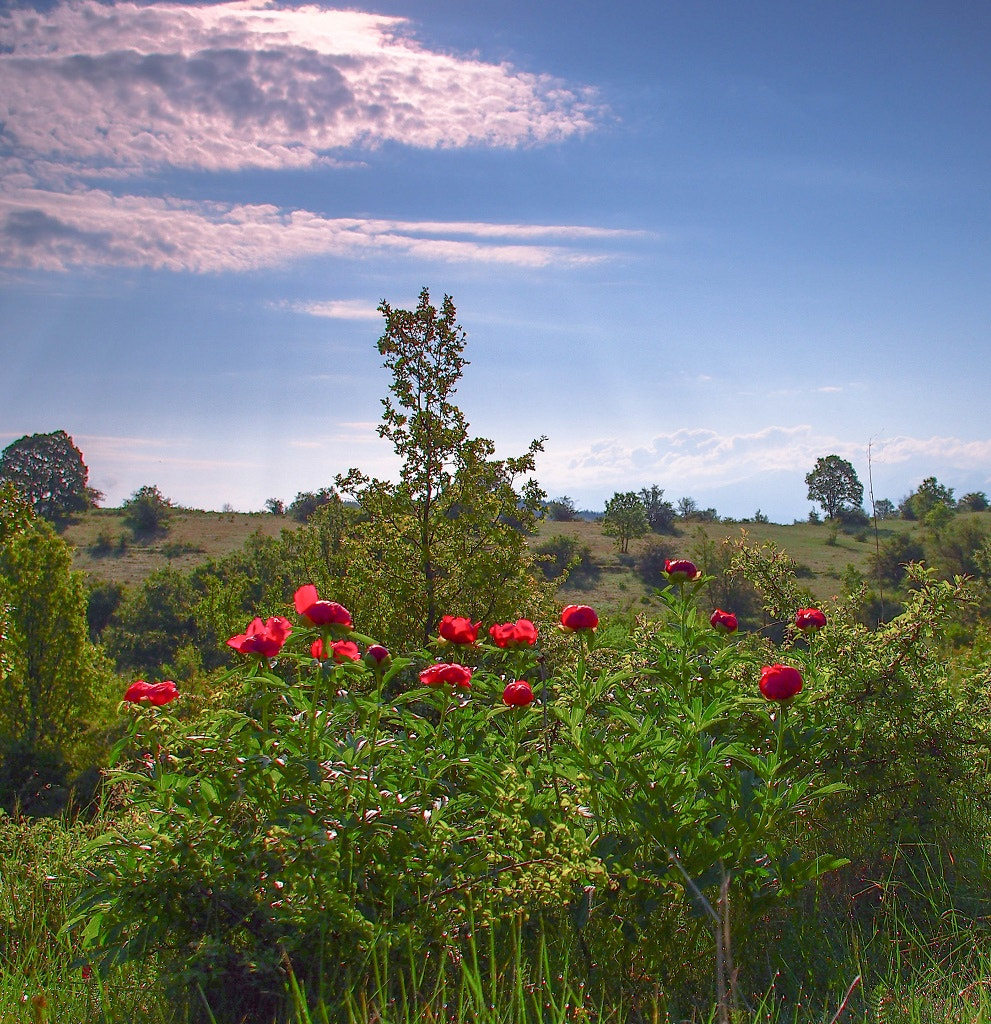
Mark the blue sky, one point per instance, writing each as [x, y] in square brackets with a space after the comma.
[697, 245]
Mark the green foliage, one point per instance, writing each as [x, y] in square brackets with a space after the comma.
[890, 723]
[927, 496]
[307, 502]
[660, 513]
[625, 518]
[49, 473]
[152, 624]
[335, 810]
[451, 533]
[894, 556]
[884, 508]
[561, 510]
[564, 559]
[650, 560]
[51, 675]
[147, 511]
[974, 501]
[833, 484]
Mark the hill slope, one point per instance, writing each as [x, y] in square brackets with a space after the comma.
[105, 549]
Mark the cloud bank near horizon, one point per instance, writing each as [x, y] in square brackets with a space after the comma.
[701, 459]
[700, 463]
[93, 96]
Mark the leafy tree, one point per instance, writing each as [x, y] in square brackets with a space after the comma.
[833, 484]
[660, 513]
[895, 553]
[450, 536]
[50, 673]
[625, 518]
[884, 508]
[954, 549]
[925, 497]
[147, 511]
[49, 472]
[687, 507]
[307, 502]
[275, 506]
[562, 510]
[153, 623]
[975, 501]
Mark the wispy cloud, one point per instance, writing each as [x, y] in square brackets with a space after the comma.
[55, 231]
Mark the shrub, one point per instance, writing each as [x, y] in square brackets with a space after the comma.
[147, 511]
[565, 558]
[293, 831]
[650, 560]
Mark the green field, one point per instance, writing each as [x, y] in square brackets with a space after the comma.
[194, 536]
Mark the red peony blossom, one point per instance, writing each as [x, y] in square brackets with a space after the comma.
[264, 638]
[680, 570]
[458, 630]
[578, 616]
[321, 613]
[441, 672]
[780, 682]
[340, 651]
[377, 656]
[723, 622]
[809, 619]
[518, 694]
[140, 692]
[521, 633]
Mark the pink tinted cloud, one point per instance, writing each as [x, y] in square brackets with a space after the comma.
[50, 230]
[224, 86]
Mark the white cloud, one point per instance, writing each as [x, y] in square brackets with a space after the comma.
[688, 460]
[224, 86]
[339, 309]
[57, 230]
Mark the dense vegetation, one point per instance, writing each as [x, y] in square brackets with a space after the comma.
[396, 782]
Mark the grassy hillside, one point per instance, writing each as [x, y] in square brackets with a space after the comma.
[105, 549]
[618, 587]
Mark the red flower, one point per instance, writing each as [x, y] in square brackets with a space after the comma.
[441, 672]
[578, 616]
[339, 650]
[264, 638]
[723, 622]
[377, 656]
[321, 613]
[521, 633]
[458, 630]
[158, 694]
[780, 682]
[809, 619]
[86, 972]
[518, 694]
[680, 570]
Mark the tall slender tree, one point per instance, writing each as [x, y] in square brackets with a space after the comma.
[450, 536]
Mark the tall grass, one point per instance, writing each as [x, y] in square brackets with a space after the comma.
[923, 954]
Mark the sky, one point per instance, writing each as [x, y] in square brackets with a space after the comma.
[693, 244]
